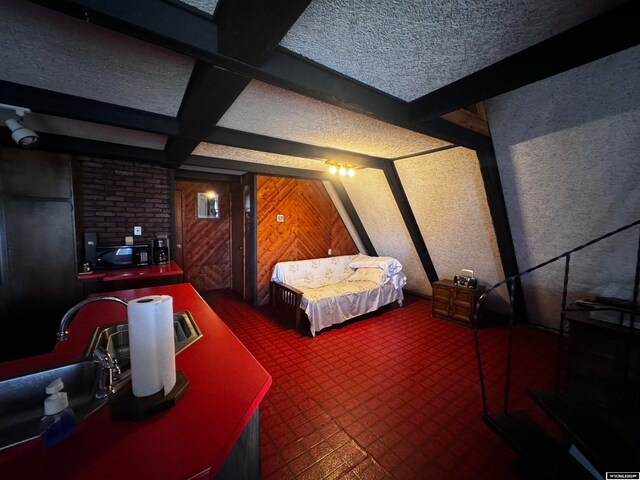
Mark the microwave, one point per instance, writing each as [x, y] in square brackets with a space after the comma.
[122, 256]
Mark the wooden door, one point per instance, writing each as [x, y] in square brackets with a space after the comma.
[205, 242]
[237, 241]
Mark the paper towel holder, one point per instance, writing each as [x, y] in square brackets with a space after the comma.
[125, 406]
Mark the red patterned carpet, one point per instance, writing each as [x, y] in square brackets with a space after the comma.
[395, 396]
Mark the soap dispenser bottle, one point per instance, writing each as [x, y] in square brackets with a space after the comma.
[59, 421]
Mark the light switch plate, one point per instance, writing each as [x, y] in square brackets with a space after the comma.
[280, 218]
[137, 230]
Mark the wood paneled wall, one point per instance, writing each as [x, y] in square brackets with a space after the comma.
[206, 242]
[311, 226]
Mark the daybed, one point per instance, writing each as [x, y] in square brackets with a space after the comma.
[334, 289]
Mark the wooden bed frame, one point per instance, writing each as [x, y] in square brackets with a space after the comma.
[285, 304]
[285, 307]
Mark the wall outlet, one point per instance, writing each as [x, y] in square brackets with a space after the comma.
[329, 252]
[279, 218]
[128, 240]
[137, 230]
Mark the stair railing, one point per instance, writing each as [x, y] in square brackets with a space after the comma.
[510, 286]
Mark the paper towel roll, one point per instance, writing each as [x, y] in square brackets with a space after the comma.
[151, 345]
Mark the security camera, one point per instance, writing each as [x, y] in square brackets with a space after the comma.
[23, 136]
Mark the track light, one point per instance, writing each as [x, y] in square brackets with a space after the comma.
[341, 169]
[23, 136]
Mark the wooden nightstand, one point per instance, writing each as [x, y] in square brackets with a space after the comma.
[454, 303]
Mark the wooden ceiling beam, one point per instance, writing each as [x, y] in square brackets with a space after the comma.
[467, 119]
[257, 168]
[161, 23]
[48, 102]
[609, 33]
[402, 201]
[500, 219]
[353, 216]
[179, 174]
[209, 95]
[282, 68]
[50, 142]
[261, 143]
[289, 71]
[248, 30]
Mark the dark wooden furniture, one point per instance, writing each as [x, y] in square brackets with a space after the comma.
[284, 301]
[454, 303]
[285, 304]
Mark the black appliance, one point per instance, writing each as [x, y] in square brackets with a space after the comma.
[122, 256]
[465, 279]
[160, 250]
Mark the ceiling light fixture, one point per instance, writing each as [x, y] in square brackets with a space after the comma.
[23, 136]
[343, 169]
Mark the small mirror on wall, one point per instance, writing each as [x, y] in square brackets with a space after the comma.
[207, 205]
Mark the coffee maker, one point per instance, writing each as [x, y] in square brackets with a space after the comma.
[160, 250]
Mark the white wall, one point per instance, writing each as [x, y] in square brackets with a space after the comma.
[373, 200]
[567, 149]
[446, 193]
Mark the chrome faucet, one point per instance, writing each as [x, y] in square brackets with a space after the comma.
[109, 372]
[68, 316]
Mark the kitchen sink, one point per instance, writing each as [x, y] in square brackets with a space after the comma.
[22, 397]
[114, 338]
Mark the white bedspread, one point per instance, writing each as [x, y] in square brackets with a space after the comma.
[334, 293]
[332, 304]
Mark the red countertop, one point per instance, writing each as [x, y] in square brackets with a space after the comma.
[226, 385]
[170, 268]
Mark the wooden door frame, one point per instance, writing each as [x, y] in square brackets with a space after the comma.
[250, 244]
[251, 241]
[237, 239]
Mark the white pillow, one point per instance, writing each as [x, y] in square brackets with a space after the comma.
[372, 274]
[389, 265]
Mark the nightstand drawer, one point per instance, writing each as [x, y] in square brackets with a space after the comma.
[454, 303]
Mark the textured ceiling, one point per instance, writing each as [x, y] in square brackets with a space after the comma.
[50, 50]
[409, 48]
[274, 112]
[241, 154]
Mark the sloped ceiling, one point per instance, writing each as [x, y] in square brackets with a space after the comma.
[50, 50]
[275, 112]
[403, 49]
[410, 48]
[355, 81]
[571, 175]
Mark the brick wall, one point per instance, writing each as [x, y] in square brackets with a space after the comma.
[112, 196]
